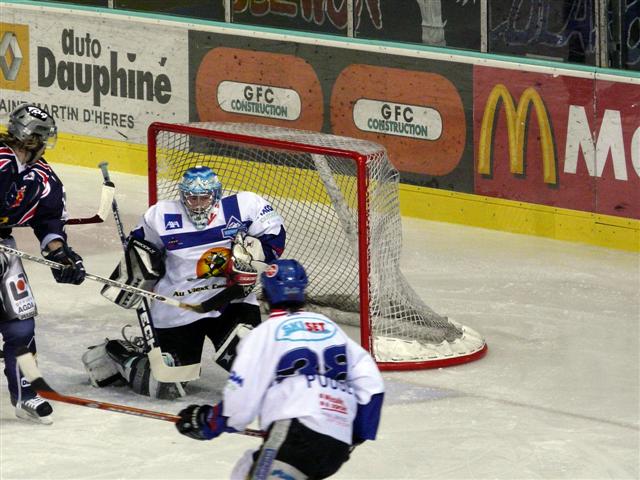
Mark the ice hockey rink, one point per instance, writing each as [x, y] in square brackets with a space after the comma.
[556, 397]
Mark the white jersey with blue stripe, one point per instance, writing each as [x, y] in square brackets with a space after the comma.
[195, 258]
[302, 365]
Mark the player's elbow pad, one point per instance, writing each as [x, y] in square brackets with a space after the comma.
[365, 425]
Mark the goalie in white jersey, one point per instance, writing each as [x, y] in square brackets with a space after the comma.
[316, 391]
[191, 249]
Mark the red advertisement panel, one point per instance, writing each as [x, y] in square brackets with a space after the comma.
[543, 139]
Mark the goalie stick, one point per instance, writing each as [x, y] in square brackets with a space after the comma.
[159, 369]
[28, 366]
[214, 303]
[106, 197]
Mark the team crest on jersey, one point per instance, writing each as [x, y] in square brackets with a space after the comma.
[304, 330]
[14, 197]
[19, 197]
[172, 221]
[213, 263]
[233, 227]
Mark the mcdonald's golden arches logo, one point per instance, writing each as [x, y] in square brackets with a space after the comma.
[14, 57]
[516, 132]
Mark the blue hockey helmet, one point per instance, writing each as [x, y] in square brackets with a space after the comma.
[200, 189]
[284, 281]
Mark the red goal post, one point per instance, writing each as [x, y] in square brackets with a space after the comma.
[339, 199]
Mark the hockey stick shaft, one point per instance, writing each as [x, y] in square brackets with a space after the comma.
[114, 205]
[97, 278]
[30, 370]
[106, 197]
[213, 303]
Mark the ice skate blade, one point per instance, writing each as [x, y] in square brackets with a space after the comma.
[24, 415]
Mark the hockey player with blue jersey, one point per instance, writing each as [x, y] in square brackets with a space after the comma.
[192, 249]
[31, 195]
[316, 392]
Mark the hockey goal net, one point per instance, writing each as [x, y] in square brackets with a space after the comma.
[339, 199]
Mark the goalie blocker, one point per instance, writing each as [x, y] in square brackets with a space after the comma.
[141, 267]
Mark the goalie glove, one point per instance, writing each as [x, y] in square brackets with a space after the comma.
[248, 250]
[241, 273]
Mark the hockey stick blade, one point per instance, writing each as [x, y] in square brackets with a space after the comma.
[106, 198]
[171, 374]
[27, 364]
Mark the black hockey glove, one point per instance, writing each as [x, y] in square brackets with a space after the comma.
[73, 272]
[202, 422]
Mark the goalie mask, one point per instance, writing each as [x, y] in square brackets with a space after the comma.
[34, 128]
[200, 190]
[284, 281]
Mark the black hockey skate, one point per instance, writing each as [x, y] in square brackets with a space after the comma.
[36, 409]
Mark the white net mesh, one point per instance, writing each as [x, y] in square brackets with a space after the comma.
[315, 189]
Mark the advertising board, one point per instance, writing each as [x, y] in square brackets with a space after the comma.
[542, 138]
[418, 109]
[90, 75]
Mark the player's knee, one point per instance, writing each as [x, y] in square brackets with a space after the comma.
[226, 351]
[19, 333]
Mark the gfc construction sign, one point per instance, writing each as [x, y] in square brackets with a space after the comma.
[540, 139]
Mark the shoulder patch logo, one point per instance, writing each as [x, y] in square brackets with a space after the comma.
[233, 227]
[172, 221]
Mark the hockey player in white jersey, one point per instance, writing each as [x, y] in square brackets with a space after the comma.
[317, 392]
[191, 249]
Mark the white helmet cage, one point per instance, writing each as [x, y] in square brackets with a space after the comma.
[200, 190]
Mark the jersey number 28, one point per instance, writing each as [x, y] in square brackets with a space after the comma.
[304, 361]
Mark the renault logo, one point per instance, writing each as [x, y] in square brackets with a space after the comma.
[10, 56]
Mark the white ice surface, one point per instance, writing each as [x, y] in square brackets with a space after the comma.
[556, 397]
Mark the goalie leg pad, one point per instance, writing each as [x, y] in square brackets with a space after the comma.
[100, 367]
[136, 370]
